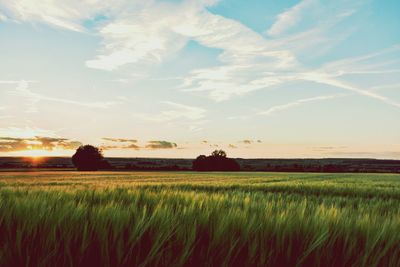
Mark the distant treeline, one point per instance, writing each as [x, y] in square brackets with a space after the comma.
[320, 165]
[164, 164]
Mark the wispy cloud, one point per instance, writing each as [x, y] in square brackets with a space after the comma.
[69, 15]
[6, 117]
[350, 87]
[121, 140]
[143, 35]
[250, 62]
[3, 17]
[290, 17]
[189, 116]
[15, 82]
[23, 90]
[247, 62]
[146, 33]
[296, 103]
[26, 132]
[395, 86]
[137, 34]
[373, 62]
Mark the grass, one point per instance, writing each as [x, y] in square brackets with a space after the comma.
[199, 219]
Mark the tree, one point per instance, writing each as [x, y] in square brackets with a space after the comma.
[218, 153]
[217, 161]
[89, 158]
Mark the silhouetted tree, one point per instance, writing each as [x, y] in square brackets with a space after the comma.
[89, 158]
[218, 153]
[217, 161]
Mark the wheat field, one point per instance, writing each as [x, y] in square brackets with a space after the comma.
[199, 219]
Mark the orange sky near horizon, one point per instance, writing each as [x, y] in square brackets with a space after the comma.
[247, 151]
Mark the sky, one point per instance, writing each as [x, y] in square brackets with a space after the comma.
[180, 78]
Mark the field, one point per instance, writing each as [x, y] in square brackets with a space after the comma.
[199, 219]
[329, 165]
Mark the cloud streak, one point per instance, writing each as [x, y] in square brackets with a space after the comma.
[120, 143]
[121, 140]
[23, 90]
[299, 102]
[140, 34]
[289, 18]
[69, 15]
[161, 145]
[187, 116]
[10, 144]
[327, 79]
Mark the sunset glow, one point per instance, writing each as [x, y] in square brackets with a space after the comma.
[39, 153]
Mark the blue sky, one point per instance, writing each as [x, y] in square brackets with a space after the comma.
[256, 78]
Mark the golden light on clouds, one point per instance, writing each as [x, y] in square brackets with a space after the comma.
[34, 143]
[40, 153]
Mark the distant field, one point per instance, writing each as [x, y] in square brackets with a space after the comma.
[199, 219]
[167, 164]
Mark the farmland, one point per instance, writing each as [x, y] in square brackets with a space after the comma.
[199, 219]
[184, 164]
